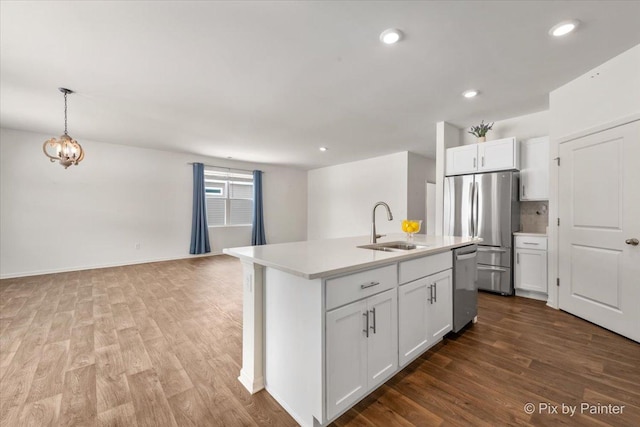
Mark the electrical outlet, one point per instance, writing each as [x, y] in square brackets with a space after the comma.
[137, 246]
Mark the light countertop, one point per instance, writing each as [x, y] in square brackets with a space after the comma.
[323, 258]
[522, 233]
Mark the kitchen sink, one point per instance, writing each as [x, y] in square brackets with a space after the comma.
[394, 246]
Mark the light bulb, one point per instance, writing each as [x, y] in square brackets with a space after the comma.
[390, 36]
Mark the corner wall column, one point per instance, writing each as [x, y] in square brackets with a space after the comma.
[252, 372]
[447, 136]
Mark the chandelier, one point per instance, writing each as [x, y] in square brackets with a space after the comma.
[65, 150]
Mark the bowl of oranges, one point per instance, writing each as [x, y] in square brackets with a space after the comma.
[411, 227]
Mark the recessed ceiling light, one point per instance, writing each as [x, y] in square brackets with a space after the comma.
[563, 28]
[323, 148]
[470, 93]
[390, 36]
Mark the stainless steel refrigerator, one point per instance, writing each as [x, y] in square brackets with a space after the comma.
[486, 205]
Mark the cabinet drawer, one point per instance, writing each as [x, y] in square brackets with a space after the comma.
[345, 289]
[531, 242]
[425, 266]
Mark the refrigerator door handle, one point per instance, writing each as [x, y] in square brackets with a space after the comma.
[475, 208]
[471, 224]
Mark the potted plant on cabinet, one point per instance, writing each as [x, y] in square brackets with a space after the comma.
[480, 131]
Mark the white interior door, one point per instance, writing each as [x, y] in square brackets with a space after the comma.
[599, 208]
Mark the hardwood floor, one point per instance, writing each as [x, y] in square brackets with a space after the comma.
[160, 345]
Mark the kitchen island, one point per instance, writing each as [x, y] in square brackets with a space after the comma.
[325, 322]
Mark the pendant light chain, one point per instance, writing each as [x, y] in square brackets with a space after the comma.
[65, 113]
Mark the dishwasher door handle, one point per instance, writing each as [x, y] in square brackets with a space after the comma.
[468, 255]
[502, 270]
[488, 249]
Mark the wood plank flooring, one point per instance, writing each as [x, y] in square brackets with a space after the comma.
[160, 345]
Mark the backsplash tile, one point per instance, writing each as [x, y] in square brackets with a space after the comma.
[534, 217]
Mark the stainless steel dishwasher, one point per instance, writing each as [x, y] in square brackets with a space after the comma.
[465, 286]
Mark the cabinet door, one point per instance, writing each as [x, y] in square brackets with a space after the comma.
[440, 309]
[461, 160]
[346, 356]
[382, 344]
[534, 173]
[501, 154]
[413, 330]
[531, 270]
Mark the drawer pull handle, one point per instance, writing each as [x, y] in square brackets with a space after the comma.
[368, 285]
[530, 243]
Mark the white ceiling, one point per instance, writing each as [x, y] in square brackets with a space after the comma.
[272, 81]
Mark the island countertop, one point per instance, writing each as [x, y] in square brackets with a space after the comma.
[315, 259]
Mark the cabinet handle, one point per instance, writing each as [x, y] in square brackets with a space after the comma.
[524, 191]
[474, 162]
[374, 320]
[435, 292]
[430, 299]
[368, 285]
[517, 258]
[483, 161]
[366, 329]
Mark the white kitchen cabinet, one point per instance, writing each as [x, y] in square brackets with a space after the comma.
[425, 314]
[462, 160]
[361, 348]
[412, 319]
[440, 310]
[496, 155]
[499, 154]
[534, 172]
[382, 343]
[531, 264]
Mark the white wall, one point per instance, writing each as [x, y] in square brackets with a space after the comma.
[420, 170]
[606, 93]
[92, 215]
[522, 127]
[341, 197]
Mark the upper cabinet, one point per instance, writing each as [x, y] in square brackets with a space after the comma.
[463, 159]
[534, 175]
[497, 155]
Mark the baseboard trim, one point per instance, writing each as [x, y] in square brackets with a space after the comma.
[253, 385]
[108, 265]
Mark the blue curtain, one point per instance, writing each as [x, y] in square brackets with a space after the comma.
[199, 229]
[257, 233]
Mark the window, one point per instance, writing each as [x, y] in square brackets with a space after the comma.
[229, 197]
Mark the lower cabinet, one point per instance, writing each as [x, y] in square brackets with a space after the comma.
[531, 270]
[425, 313]
[531, 264]
[361, 348]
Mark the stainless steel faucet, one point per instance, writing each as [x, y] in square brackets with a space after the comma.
[374, 236]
